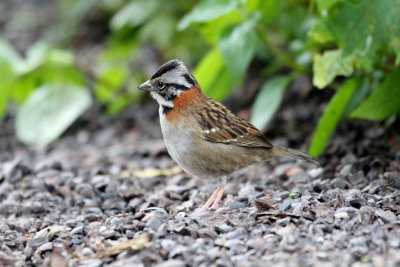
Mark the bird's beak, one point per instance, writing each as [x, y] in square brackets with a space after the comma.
[146, 86]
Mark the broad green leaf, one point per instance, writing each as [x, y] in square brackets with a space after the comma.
[110, 79]
[207, 10]
[364, 28]
[212, 30]
[35, 56]
[58, 68]
[23, 85]
[7, 77]
[60, 57]
[328, 66]
[115, 88]
[268, 100]
[331, 117]
[238, 47]
[8, 54]
[209, 69]
[398, 55]
[159, 31]
[118, 50]
[320, 33]
[134, 13]
[358, 96]
[3, 102]
[213, 77]
[46, 65]
[293, 22]
[49, 111]
[123, 101]
[326, 4]
[222, 86]
[269, 9]
[383, 102]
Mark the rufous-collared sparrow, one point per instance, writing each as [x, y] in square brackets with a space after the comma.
[204, 137]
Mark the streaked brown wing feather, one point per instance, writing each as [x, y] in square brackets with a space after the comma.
[219, 125]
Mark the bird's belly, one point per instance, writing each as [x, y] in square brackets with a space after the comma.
[199, 157]
[179, 141]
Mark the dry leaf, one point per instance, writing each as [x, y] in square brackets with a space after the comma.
[117, 248]
[264, 205]
[148, 173]
[51, 231]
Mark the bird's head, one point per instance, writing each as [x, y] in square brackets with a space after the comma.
[168, 82]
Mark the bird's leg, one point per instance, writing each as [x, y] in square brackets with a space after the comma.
[225, 180]
[217, 195]
[212, 198]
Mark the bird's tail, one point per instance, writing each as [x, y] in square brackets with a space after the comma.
[295, 154]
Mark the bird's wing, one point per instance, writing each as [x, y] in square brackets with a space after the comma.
[220, 125]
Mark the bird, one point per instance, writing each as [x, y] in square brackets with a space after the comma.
[202, 135]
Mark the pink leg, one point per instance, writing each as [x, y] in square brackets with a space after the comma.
[219, 196]
[213, 197]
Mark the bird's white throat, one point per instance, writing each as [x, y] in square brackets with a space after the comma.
[161, 100]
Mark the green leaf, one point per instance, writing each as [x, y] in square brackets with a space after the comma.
[326, 4]
[295, 195]
[359, 95]
[268, 100]
[208, 69]
[328, 66]
[364, 28]
[207, 10]
[8, 54]
[48, 111]
[110, 79]
[320, 33]
[124, 98]
[213, 76]
[60, 57]
[159, 31]
[331, 117]
[118, 50]
[269, 9]
[35, 56]
[134, 13]
[7, 77]
[238, 47]
[212, 30]
[383, 102]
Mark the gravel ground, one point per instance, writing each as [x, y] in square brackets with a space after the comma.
[107, 194]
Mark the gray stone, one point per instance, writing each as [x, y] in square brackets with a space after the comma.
[286, 205]
[223, 228]
[237, 205]
[77, 230]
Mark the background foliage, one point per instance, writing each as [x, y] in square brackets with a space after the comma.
[100, 50]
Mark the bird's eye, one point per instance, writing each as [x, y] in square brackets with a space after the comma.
[160, 84]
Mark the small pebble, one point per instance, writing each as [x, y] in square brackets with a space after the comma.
[223, 228]
[339, 183]
[286, 205]
[77, 230]
[284, 194]
[237, 205]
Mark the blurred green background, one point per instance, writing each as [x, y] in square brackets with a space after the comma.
[59, 57]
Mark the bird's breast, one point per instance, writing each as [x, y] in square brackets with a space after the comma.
[178, 136]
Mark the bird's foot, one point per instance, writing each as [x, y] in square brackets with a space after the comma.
[214, 199]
